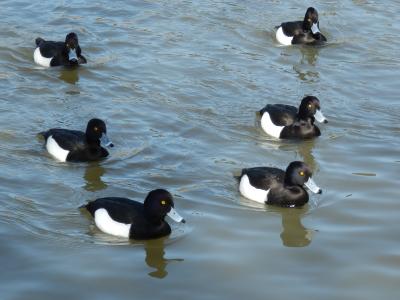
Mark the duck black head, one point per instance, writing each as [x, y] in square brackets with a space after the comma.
[96, 131]
[72, 45]
[310, 107]
[160, 203]
[311, 22]
[299, 174]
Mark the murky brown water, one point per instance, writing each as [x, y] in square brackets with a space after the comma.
[178, 83]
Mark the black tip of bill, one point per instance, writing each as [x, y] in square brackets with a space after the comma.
[319, 191]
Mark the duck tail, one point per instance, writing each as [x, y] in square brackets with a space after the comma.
[237, 176]
[38, 41]
[43, 134]
[82, 206]
[90, 207]
[262, 111]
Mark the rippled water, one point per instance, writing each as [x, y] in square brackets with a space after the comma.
[178, 83]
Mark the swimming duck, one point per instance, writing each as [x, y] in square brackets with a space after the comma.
[78, 146]
[131, 219]
[51, 54]
[301, 32]
[277, 187]
[287, 122]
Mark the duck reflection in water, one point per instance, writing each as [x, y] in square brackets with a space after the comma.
[305, 150]
[69, 75]
[294, 234]
[309, 55]
[92, 176]
[155, 251]
[306, 69]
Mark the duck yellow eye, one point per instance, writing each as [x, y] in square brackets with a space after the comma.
[163, 202]
[309, 105]
[96, 129]
[301, 173]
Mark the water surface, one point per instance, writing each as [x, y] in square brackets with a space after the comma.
[179, 84]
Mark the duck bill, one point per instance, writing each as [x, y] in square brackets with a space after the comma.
[320, 117]
[105, 142]
[312, 186]
[175, 216]
[314, 28]
[72, 55]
